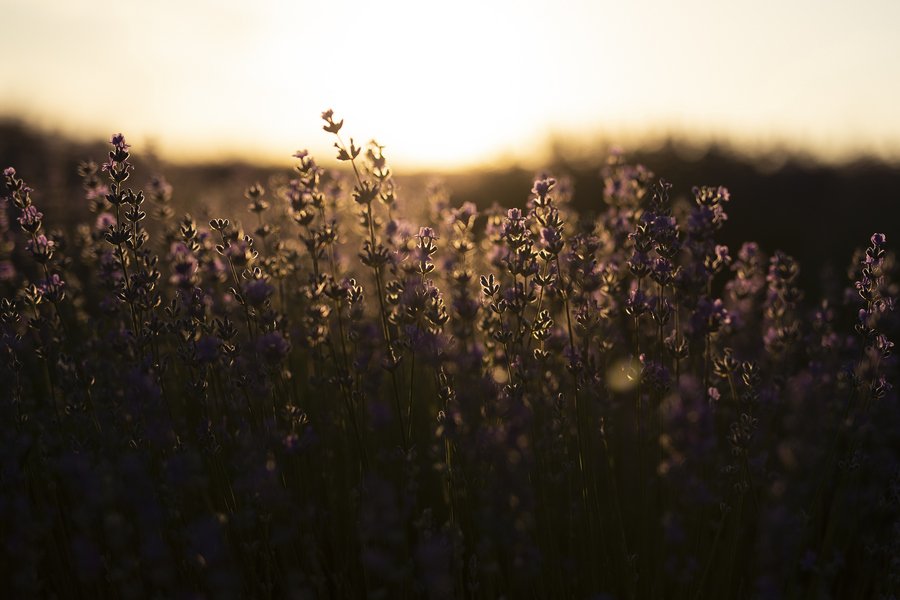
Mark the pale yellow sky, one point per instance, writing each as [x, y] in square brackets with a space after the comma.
[451, 83]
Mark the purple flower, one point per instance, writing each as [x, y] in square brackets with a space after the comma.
[427, 233]
[636, 303]
[709, 316]
[273, 347]
[543, 186]
[654, 374]
[53, 288]
[185, 268]
[240, 252]
[722, 254]
[9, 172]
[94, 193]
[552, 239]
[206, 349]
[118, 140]
[662, 271]
[30, 219]
[640, 263]
[705, 219]
[748, 252]
[104, 221]
[41, 247]
[257, 291]
[663, 229]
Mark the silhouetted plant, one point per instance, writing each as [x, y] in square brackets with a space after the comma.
[328, 400]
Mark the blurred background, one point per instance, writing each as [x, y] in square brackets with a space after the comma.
[792, 105]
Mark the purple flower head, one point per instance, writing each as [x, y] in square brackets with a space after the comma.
[97, 192]
[9, 172]
[663, 228]
[41, 247]
[291, 442]
[543, 186]
[55, 281]
[30, 219]
[636, 303]
[864, 316]
[723, 193]
[273, 347]
[53, 288]
[104, 221]
[514, 214]
[706, 219]
[206, 349]
[239, 252]
[185, 265]
[662, 271]
[198, 303]
[257, 291]
[709, 316]
[639, 263]
[878, 239]
[177, 249]
[654, 374]
[718, 260]
[722, 254]
[748, 252]
[301, 154]
[550, 235]
[426, 233]
[883, 345]
[118, 140]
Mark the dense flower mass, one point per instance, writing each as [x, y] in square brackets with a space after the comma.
[321, 398]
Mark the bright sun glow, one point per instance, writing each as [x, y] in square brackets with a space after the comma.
[448, 84]
[439, 84]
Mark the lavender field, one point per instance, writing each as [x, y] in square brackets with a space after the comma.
[340, 390]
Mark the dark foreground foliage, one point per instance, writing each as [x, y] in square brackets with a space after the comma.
[323, 400]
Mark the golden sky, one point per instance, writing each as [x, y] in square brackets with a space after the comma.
[452, 83]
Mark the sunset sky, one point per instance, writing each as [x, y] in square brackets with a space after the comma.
[446, 84]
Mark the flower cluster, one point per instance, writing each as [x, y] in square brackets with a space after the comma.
[321, 397]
